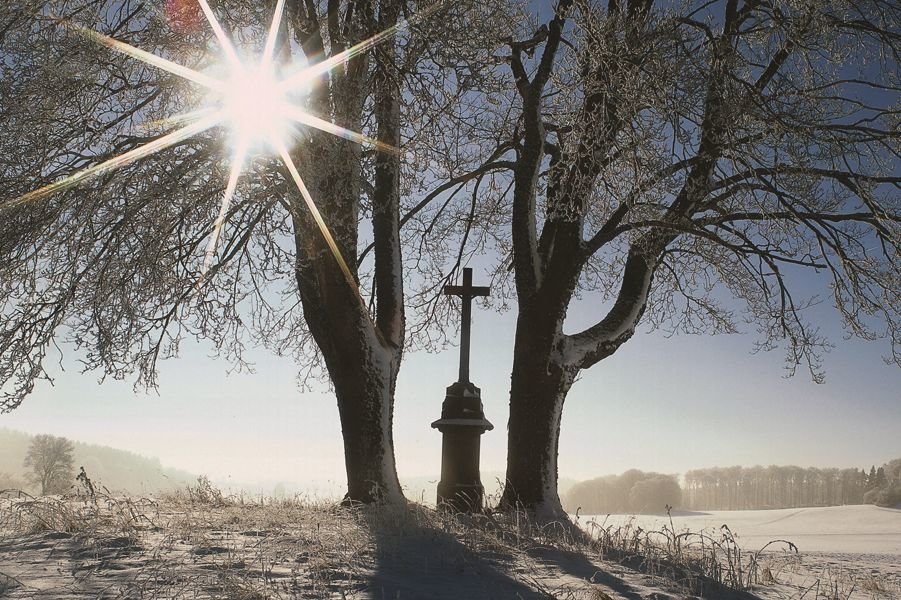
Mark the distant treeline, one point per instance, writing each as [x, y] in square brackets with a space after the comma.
[117, 470]
[632, 492]
[737, 488]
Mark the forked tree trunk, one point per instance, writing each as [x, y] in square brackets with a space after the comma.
[361, 363]
[362, 357]
[548, 265]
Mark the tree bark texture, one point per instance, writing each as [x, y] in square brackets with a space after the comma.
[362, 367]
[538, 390]
[362, 353]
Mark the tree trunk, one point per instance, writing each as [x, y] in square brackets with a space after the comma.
[362, 357]
[365, 391]
[363, 367]
[363, 370]
[538, 390]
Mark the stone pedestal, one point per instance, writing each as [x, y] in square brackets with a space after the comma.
[461, 424]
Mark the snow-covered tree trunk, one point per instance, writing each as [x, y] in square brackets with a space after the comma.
[362, 353]
[538, 390]
[362, 362]
[365, 400]
[545, 364]
[363, 370]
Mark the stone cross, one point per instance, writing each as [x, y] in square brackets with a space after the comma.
[466, 292]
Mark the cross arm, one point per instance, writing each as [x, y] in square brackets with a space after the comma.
[461, 290]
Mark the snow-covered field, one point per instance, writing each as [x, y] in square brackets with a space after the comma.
[838, 529]
[854, 549]
[211, 548]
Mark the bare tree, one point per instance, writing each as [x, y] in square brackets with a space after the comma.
[668, 157]
[49, 464]
[116, 266]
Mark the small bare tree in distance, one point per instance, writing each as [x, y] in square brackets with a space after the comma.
[50, 464]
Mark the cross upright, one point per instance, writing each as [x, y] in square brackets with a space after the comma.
[467, 292]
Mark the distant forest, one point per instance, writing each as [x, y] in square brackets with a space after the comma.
[737, 488]
[632, 492]
[117, 470]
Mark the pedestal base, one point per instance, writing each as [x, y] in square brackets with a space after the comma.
[461, 497]
[462, 423]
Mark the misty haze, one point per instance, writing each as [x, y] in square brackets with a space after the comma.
[450, 299]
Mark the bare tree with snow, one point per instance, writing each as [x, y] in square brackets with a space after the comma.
[121, 266]
[670, 155]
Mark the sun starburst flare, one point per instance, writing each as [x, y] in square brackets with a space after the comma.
[253, 103]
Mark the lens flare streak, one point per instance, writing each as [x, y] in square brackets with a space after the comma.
[311, 72]
[269, 49]
[317, 216]
[237, 164]
[179, 119]
[146, 57]
[118, 162]
[302, 116]
[224, 41]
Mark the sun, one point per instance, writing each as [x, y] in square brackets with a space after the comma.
[256, 108]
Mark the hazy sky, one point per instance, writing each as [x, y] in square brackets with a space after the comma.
[664, 404]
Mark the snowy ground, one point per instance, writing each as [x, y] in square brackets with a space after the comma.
[854, 549]
[123, 548]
